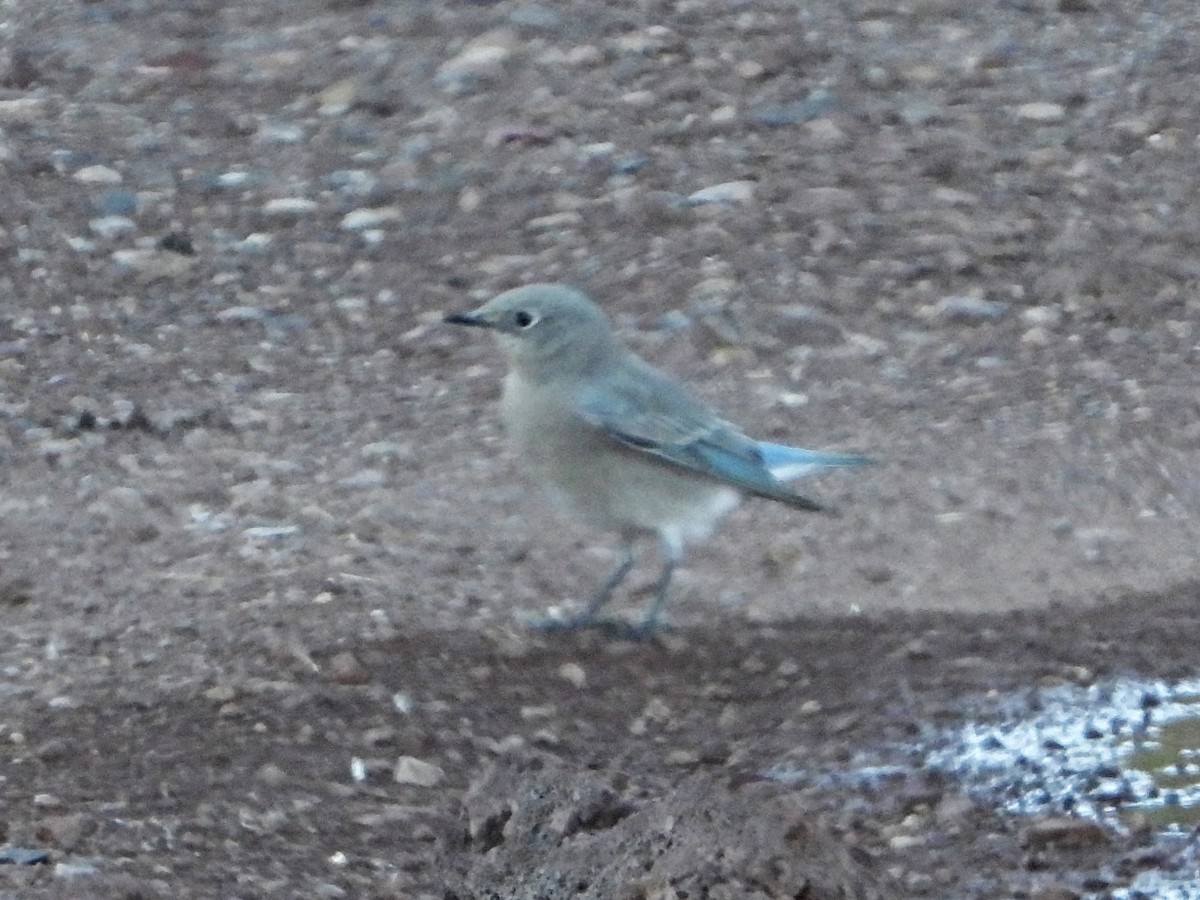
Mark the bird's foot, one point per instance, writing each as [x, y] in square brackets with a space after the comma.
[620, 629]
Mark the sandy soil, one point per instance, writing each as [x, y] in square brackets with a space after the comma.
[263, 554]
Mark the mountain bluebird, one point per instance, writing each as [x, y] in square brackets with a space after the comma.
[620, 444]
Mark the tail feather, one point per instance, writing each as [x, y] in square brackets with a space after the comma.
[786, 463]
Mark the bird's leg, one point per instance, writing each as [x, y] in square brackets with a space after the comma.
[589, 615]
[672, 553]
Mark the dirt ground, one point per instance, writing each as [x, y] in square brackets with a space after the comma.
[264, 556]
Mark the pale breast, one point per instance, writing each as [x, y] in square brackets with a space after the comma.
[602, 482]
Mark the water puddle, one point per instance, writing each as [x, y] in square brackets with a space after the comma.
[1125, 752]
[1113, 751]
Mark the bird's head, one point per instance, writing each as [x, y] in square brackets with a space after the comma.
[546, 330]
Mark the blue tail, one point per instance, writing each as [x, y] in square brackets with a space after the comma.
[786, 463]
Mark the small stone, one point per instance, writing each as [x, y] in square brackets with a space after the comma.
[418, 772]
[954, 809]
[1054, 892]
[536, 17]
[480, 61]
[220, 693]
[1064, 832]
[23, 110]
[270, 532]
[729, 193]
[75, 868]
[1042, 112]
[283, 207]
[1036, 337]
[815, 105]
[360, 219]
[561, 221]
[345, 668]
[799, 325]
[23, 856]
[98, 175]
[337, 98]
[573, 673]
[683, 757]
[271, 774]
[109, 227]
[969, 308]
[367, 479]
[116, 202]
[750, 70]
[279, 133]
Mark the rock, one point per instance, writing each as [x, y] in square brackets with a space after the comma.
[1054, 892]
[98, 175]
[23, 856]
[360, 219]
[116, 202]
[418, 772]
[799, 325]
[566, 220]
[109, 227]
[816, 104]
[75, 868]
[969, 308]
[345, 668]
[1042, 113]
[536, 17]
[289, 207]
[364, 480]
[482, 60]
[1064, 832]
[271, 774]
[573, 673]
[729, 193]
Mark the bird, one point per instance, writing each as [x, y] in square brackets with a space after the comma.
[622, 445]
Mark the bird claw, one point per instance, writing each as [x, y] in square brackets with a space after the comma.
[619, 629]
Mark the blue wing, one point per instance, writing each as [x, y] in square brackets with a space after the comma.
[644, 410]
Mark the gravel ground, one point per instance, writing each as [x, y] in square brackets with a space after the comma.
[263, 553]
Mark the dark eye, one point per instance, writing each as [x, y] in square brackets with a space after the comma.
[524, 319]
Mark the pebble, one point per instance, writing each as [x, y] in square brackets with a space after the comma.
[109, 227]
[365, 480]
[76, 868]
[345, 668]
[1055, 891]
[116, 202]
[729, 193]
[969, 308]
[23, 110]
[480, 61]
[289, 206]
[800, 325]
[815, 105]
[279, 133]
[23, 856]
[1066, 832]
[359, 219]
[418, 772]
[560, 221]
[573, 673]
[1042, 112]
[98, 175]
[537, 17]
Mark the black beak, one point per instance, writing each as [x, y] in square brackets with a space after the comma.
[467, 318]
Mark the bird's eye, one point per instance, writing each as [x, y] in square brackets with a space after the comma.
[524, 319]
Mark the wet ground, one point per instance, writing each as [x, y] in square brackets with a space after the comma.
[264, 556]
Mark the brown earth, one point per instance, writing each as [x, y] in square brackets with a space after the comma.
[262, 552]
